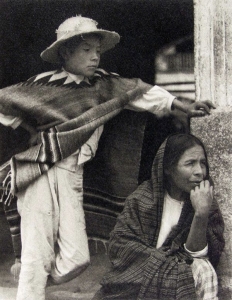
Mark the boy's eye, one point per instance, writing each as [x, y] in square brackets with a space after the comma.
[189, 163]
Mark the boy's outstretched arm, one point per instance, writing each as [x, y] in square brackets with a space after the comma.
[195, 109]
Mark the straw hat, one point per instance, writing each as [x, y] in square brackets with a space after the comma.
[78, 26]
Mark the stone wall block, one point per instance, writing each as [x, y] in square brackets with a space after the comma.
[215, 131]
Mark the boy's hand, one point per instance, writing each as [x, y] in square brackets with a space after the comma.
[199, 108]
[194, 109]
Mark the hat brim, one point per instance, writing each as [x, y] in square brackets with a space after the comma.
[109, 40]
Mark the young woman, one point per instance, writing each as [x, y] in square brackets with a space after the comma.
[169, 237]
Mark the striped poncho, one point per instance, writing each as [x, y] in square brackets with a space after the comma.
[67, 116]
[141, 271]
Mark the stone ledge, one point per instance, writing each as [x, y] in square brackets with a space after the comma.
[215, 131]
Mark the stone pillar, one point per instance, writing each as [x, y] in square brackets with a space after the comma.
[213, 50]
[213, 77]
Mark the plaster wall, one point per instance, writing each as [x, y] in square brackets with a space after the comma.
[215, 132]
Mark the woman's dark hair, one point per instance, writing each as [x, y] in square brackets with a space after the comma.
[176, 145]
[73, 42]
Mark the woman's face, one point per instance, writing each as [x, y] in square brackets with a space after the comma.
[190, 170]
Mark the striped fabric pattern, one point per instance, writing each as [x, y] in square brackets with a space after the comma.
[13, 219]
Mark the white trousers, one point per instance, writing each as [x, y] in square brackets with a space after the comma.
[53, 231]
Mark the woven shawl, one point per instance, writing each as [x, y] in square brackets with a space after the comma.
[139, 270]
[66, 116]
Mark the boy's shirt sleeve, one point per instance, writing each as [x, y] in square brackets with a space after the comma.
[157, 101]
[84, 154]
[11, 121]
[89, 149]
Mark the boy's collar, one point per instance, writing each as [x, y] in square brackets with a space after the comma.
[73, 77]
[79, 78]
[62, 73]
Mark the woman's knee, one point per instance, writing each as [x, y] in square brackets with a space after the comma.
[205, 278]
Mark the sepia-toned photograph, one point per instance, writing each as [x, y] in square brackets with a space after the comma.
[115, 150]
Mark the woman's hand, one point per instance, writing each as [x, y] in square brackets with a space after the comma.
[202, 198]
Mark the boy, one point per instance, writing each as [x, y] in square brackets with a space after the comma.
[65, 118]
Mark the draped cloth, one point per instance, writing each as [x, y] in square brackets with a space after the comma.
[67, 117]
[141, 271]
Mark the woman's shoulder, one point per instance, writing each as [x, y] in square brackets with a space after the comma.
[142, 196]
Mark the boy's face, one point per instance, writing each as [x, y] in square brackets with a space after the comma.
[85, 58]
